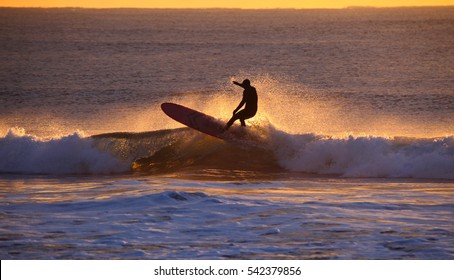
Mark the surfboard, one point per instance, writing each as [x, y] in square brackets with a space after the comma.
[196, 120]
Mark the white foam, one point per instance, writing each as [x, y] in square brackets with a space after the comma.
[71, 154]
[366, 156]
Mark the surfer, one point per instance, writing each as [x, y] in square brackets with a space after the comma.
[249, 99]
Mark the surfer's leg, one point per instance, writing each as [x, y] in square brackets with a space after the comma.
[242, 122]
[231, 121]
[241, 115]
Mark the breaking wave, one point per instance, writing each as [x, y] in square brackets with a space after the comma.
[368, 156]
[175, 150]
[71, 154]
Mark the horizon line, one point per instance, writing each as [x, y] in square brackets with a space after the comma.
[227, 8]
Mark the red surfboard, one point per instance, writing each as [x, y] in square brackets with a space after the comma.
[195, 119]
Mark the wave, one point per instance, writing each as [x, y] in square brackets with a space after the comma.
[272, 150]
[368, 156]
[71, 154]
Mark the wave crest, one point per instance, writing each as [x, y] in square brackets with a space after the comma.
[71, 154]
[176, 150]
[369, 156]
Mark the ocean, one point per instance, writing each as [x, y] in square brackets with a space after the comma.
[355, 121]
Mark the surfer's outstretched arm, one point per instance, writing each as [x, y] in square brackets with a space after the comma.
[238, 84]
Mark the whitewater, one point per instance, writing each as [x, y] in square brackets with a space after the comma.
[352, 154]
[155, 152]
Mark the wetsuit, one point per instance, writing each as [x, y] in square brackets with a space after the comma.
[250, 99]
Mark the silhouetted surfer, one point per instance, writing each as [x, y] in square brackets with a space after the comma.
[250, 99]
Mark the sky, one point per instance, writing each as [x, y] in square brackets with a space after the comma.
[245, 4]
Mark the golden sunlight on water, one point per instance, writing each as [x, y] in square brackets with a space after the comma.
[296, 109]
[48, 190]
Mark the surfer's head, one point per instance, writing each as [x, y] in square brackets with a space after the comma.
[246, 83]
